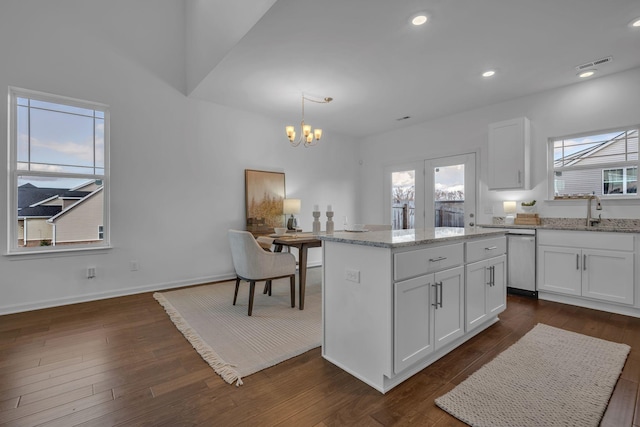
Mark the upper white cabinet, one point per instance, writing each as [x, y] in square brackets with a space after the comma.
[509, 147]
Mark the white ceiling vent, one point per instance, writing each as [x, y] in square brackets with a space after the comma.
[594, 63]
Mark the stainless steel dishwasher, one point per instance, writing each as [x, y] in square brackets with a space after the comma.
[521, 262]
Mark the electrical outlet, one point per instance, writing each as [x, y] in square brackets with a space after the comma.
[91, 272]
[352, 275]
[133, 265]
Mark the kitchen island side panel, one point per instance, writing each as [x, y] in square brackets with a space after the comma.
[357, 310]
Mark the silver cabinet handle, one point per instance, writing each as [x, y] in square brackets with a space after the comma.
[493, 275]
[491, 248]
[490, 276]
[577, 261]
[519, 177]
[435, 304]
[584, 262]
[441, 293]
[440, 258]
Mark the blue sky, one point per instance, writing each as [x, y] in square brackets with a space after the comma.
[59, 138]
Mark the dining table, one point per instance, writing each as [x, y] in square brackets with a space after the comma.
[302, 242]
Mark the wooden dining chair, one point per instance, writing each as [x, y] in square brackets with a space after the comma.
[253, 264]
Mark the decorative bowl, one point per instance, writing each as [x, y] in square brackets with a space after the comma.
[528, 208]
[280, 230]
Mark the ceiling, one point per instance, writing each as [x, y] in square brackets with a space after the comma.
[378, 67]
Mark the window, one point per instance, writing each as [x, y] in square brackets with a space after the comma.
[604, 163]
[59, 173]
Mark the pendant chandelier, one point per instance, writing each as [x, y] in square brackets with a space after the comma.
[308, 136]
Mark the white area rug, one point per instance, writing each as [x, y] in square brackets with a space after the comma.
[236, 345]
[550, 377]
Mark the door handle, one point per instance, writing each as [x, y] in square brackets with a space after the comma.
[441, 292]
[584, 262]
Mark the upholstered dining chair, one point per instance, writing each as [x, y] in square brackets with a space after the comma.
[254, 264]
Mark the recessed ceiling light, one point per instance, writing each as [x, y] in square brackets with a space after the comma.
[635, 23]
[586, 73]
[488, 73]
[419, 19]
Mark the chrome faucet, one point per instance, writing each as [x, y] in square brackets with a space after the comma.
[590, 220]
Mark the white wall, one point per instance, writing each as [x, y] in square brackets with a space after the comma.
[591, 105]
[176, 162]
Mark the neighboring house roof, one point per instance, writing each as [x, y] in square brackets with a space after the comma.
[75, 205]
[32, 198]
[39, 211]
[574, 158]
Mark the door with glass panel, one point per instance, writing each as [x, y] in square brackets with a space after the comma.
[404, 196]
[450, 191]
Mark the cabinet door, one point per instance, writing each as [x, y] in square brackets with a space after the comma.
[449, 308]
[559, 270]
[497, 290]
[509, 155]
[477, 276]
[412, 337]
[607, 275]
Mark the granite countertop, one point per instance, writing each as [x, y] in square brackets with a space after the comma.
[572, 224]
[413, 237]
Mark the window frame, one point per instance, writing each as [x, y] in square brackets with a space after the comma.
[551, 169]
[14, 173]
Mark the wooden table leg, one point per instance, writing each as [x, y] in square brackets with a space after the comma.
[302, 274]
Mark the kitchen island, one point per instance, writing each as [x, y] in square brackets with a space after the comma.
[396, 301]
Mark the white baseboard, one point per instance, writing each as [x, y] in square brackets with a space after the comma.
[56, 302]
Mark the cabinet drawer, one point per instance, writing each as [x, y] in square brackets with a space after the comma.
[587, 239]
[486, 248]
[422, 261]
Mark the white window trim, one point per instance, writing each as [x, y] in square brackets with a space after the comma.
[12, 194]
[624, 198]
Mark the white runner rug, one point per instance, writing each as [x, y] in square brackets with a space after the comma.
[550, 377]
[236, 345]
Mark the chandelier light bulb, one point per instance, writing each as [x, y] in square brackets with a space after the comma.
[307, 134]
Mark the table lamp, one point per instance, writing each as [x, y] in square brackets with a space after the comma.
[509, 210]
[292, 207]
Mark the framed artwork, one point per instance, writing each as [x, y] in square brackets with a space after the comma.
[264, 195]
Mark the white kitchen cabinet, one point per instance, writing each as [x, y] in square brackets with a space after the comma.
[413, 335]
[405, 309]
[594, 265]
[559, 270]
[486, 290]
[508, 155]
[427, 315]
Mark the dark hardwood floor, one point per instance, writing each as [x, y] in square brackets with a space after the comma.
[122, 362]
